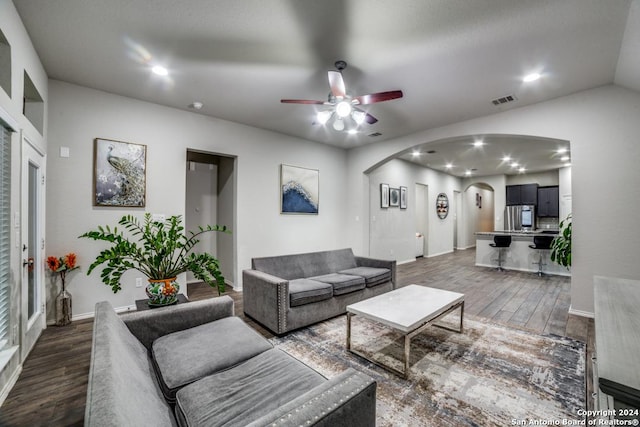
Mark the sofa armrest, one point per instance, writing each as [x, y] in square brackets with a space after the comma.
[378, 263]
[266, 299]
[348, 400]
[149, 325]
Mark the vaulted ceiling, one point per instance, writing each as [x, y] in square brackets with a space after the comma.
[450, 58]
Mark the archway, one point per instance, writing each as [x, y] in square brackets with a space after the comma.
[390, 233]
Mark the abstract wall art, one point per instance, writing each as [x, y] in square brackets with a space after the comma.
[300, 188]
[119, 173]
[384, 195]
[394, 197]
[403, 197]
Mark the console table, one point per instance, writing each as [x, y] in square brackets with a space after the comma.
[143, 304]
[617, 361]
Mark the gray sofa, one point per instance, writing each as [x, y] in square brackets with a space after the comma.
[196, 364]
[288, 292]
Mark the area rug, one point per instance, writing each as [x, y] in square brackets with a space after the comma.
[489, 375]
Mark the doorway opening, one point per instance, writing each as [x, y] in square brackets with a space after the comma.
[211, 200]
[422, 220]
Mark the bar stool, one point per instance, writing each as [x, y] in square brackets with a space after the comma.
[541, 244]
[500, 242]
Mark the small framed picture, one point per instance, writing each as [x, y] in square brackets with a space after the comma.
[403, 197]
[384, 195]
[394, 197]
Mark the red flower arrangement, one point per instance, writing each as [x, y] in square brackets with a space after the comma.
[62, 265]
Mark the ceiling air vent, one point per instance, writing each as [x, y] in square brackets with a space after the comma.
[504, 99]
[375, 134]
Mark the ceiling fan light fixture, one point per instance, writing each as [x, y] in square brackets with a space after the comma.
[343, 109]
[338, 124]
[324, 116]
[359, 116]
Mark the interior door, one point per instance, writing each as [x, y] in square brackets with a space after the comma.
[33, 317]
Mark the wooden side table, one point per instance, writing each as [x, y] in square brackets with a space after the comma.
[143, 304]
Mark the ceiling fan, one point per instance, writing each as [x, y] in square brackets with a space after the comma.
[341, 105]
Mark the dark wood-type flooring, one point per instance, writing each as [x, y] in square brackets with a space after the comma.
[51, 390]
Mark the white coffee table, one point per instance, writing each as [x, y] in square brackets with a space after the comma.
[409, 310]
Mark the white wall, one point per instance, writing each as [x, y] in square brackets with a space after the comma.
[602, 127]
[23, 57]
[201, 206]
[477, 218]
[393, 229]
[564, 190]
[78, 115]
[498, 184]
[540, 178]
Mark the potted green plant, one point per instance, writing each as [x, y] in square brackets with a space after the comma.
[158, 249]
[561, 245]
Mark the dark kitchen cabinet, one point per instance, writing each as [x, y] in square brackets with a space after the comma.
[513, 195]
[525, 194]
[549, 201]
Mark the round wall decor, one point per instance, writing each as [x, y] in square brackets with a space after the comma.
[442, 206]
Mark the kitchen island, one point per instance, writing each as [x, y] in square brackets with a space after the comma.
[519, 256]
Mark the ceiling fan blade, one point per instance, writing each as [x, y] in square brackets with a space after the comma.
[370, 119]
[301, 101]
[337, 84]
[379, 97]
[367, 117]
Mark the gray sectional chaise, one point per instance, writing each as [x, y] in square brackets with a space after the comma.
[196, 364]
[288, 292]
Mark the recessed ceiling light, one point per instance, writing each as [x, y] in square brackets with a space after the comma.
[561, 150]
[506, 159]
[564, 158]
[467, 173]
[531, 77]
[160, 70]
[352, 131]
[196, 105]
[521, 170]
[478, 143]
[416, 153]
[514, 165]
[567, 164]
[448, 165]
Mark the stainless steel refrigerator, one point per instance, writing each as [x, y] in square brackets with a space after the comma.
[520, 218]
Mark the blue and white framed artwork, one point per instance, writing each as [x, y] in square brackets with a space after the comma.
[300, 189]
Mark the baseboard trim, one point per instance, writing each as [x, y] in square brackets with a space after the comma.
[92, 314]
[406, 261]
[440, 253]
[13, 379]
[581, 313]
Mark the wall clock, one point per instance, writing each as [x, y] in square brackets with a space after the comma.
[442, 206]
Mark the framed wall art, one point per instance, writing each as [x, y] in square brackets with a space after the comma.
[394, 197]
[403, 197]
[442, 205]
[384, 195]
[299, 190]
[119, 173]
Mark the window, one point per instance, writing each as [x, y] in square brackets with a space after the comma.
[5, 234]
[5, 64]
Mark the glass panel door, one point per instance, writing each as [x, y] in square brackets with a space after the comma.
[32, 243]
[32, 224]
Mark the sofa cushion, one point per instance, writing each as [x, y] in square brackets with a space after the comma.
[310, 264]
[183, 357]
[306, 291]
[342, 283]
[121, 389]
[373, 276]
[246, 392]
